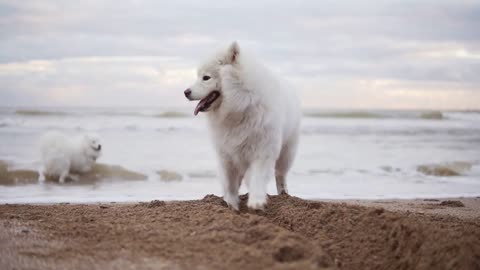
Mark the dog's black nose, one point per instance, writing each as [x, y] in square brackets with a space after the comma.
[187, 92]
[99, 147]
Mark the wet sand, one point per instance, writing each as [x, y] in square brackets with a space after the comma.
[204, 234]
[465, 208]
[100, 172]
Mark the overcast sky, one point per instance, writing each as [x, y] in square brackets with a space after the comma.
[338, 54]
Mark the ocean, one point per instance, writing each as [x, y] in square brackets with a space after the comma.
[366, 154]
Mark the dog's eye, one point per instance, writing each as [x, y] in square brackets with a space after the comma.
[206, 78]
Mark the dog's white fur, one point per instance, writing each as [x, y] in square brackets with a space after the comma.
[64, 157]
[254, 123]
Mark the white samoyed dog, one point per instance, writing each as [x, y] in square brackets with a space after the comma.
[64, 157]
[254, 119]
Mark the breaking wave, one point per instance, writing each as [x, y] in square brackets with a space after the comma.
[46, 113]
[343, 115]
[432, 115]
[3, 124]
[202, 174]
[166, 114]
[181, 113]
[171, 114]
[437, 115]
[41, 113]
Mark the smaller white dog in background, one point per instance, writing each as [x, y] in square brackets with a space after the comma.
[64, 156]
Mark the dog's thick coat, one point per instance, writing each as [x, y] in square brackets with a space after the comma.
[64, 156]
[254, 119]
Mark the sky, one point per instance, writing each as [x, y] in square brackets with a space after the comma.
[348, 54]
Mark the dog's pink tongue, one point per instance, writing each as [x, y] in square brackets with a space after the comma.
[200, 105]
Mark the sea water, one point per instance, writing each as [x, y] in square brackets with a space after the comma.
[342, 154]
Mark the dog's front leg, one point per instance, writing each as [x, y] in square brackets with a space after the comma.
[258, 175]
[62, 177]
[231, 180]
[41, 175]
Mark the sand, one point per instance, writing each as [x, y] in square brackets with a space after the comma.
[100, 172]
[465, 208]
[204, 234]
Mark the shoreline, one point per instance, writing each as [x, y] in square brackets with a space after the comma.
[469, 207]
[291, 233]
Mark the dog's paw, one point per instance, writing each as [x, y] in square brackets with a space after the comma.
[257, 203]
[232, 201]
[234, 208]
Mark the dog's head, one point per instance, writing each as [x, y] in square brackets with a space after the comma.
[208, 87]
[92, 146]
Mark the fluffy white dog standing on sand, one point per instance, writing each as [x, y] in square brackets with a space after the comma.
[63, 156]
[254, 119]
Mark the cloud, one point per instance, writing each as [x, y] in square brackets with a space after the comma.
[149, 49]
[96, 80]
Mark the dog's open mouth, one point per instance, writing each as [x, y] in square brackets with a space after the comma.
[98, 148]
[206, 102]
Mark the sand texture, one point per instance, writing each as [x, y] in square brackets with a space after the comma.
[291, 234]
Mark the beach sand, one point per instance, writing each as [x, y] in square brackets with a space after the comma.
[204, 234]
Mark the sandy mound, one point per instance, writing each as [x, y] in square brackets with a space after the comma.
[112, 172]
[451, 203]
[169, 176]
[372, 238]
[447, 169]
[16, 177]
[99, 172]
[205, 234]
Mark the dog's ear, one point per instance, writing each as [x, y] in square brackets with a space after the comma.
[232, 53]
